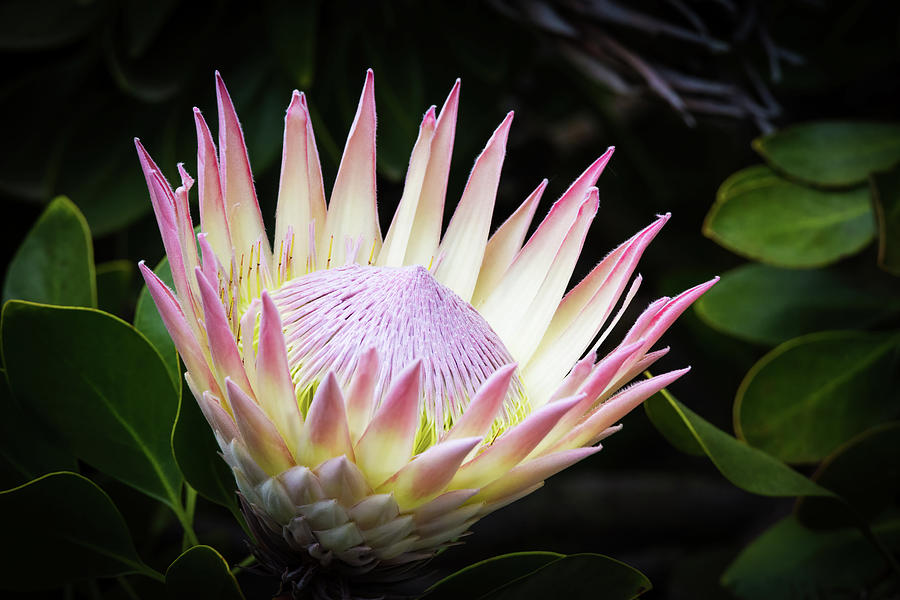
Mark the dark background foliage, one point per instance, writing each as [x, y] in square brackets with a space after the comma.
[81, 79]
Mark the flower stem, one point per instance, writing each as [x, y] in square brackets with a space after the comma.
[243, 564]
[186, 517]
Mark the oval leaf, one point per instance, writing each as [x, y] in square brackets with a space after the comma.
[64, 528]
[865, 472]
[201, 572]
[748, 468]
[114, 285]
[886, 203]
[789, 561]
[55, 263]
[767, 305]
[148, 322]
[809, 395]
[668, 422]
[480, 579]
[759, 215]
[832, 153]
[102, 388]
[578, 577]
[27, 450]
[197, 454]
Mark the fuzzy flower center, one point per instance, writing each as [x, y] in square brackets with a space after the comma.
[331, 317]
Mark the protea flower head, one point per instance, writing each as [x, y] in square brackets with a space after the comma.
[375, 396]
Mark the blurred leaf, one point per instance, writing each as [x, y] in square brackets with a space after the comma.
[201, 572]
[577, 577]
[292, 34]
[63, 528]
[768, 305]
[114, 285]
[197, 454]
[832, 153]
[98, 168]
[809, 395]
[761, 216]
[748, 468]
[55, 263]
[26, 451]
[399, 91]
[39, 24]
[260, 103]
[34, 144]
[101, 386]
[789, 561]
[148, 322]
[865, 472]
[144, 21]
[886, 205]
[489, 575]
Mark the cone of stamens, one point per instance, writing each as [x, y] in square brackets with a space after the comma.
[375, 396]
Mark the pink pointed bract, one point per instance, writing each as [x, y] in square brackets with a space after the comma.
[375, 395]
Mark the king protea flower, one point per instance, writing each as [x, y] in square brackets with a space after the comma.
[376, 396]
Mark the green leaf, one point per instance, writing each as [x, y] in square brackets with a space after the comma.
[26, 451]
[832, 153]
[148, 322]
[201, 572]
[886, 205]
[767, 305]
[489, 575]
[809, 395]
[101, 386]
[63, 528]
[578, 577]
[197, 454]
[865, 472]
[668, 421]
[55, 263]
[761, 216]
[789, 561]
[114, 285]
[748, 468]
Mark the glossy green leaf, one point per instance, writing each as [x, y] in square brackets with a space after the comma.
[26, 448]
[102, 388]
[832, 153]
[62, 528]
[768, 305]
[201, 572]
[114, 279]
[148, 322]
[748, 468]
[865, 472]
[578, 577]
[197, 454]
[789, 561]
[886, 204]
[55, 263]
[811, 394]
[661, 411]
[480, 579]
[761, 216]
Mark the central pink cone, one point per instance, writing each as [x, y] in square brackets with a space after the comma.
[332, 317]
